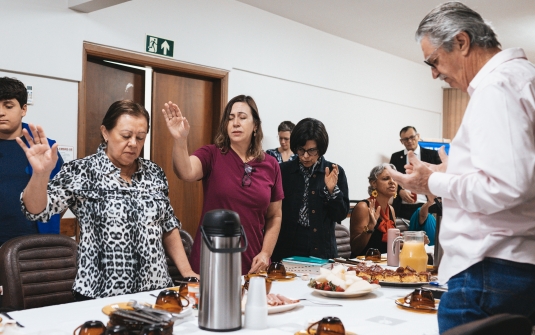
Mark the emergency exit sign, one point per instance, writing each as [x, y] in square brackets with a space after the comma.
[159, 46]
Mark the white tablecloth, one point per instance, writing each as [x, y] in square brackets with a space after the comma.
[372, 314]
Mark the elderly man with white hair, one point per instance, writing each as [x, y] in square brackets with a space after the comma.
[488, 184]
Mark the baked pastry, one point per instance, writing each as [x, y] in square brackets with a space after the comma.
[376, 273]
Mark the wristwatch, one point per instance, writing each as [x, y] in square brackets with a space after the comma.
[369, 231]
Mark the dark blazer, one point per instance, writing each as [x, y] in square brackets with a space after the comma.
[319, 238]
[399, 159]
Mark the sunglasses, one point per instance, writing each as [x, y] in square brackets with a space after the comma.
[246, 180]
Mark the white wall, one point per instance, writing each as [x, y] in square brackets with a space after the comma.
[364, 96]
[55, 106]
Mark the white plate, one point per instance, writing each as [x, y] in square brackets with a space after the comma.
[282, 308]
[274, 309]
[332, 294]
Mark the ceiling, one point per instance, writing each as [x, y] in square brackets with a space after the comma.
[389, 25]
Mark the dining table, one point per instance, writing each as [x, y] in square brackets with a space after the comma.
[375, 313]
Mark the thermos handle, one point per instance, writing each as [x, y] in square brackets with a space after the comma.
[396, 240]
[225, 250]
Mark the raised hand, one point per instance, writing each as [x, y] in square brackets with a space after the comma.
[374, 213]
[41, 156]
[417, 176]
[406, 196]
[176, 123]
[331, 178]
[435, 168]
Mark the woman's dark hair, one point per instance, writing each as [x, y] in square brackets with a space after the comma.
[11, 88]
[286, 126]
[222, 139]
[309, 129]
[122, 107]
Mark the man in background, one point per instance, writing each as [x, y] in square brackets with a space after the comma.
[488, 182]
[15, 171]
[407, 202]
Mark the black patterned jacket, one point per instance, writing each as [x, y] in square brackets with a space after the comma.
[324, 213]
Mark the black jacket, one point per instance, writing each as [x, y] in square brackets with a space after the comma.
[399, 159]
[319, 239]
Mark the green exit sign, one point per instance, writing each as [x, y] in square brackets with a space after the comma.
[159, 46]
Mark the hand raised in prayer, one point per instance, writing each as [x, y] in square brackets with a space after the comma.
[331, 178]
[177, 124]
[374, 213]
[406, 196]
[41, 156]
[417, 176]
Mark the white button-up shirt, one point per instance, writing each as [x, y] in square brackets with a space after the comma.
[488, 189]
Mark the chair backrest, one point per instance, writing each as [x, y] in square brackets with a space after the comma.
[37, 270]
[352, 204]
[187, 242]
[495, 325]
[402, 224]
[342, 241]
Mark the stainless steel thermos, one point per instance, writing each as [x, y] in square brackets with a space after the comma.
[220, 289]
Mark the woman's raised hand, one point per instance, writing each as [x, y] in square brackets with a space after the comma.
[40, 155]
[374, 212]
[331, 178]
[176, 123]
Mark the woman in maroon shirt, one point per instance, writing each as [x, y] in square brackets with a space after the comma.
[236, 175]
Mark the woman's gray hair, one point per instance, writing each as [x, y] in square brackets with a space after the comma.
[447, 20]
[375, 172]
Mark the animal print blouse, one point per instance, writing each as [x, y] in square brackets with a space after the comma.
[121, 224]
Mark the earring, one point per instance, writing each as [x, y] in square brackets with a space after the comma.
[374, 193]
[254, 132]
[395, 195]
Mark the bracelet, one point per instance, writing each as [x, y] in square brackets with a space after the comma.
[369, 231]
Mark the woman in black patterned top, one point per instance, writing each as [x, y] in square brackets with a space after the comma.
[121, 203]
[315, 196]
[283, 153]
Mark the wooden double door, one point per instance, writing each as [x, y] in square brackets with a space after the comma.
[200, 92]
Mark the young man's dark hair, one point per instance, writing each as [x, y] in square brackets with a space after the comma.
[11, 88]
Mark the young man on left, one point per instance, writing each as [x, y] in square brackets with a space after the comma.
[15, 171]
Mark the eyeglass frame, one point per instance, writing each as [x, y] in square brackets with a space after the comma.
[426, 61]
[410, 138]
[247, 171]
[308, 152]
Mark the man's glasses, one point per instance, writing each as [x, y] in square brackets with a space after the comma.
[428, 59]
[310, 152]
[410, 138]
[246, 180]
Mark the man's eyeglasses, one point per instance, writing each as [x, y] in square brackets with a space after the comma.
[246, 180]
[311, 152]
[410, 138]
[428, 59]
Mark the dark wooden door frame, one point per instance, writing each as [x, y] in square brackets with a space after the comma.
[218, 76]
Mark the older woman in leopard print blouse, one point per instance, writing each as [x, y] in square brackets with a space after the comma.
[121, 203]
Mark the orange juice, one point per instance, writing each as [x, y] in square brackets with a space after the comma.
[413, 254]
